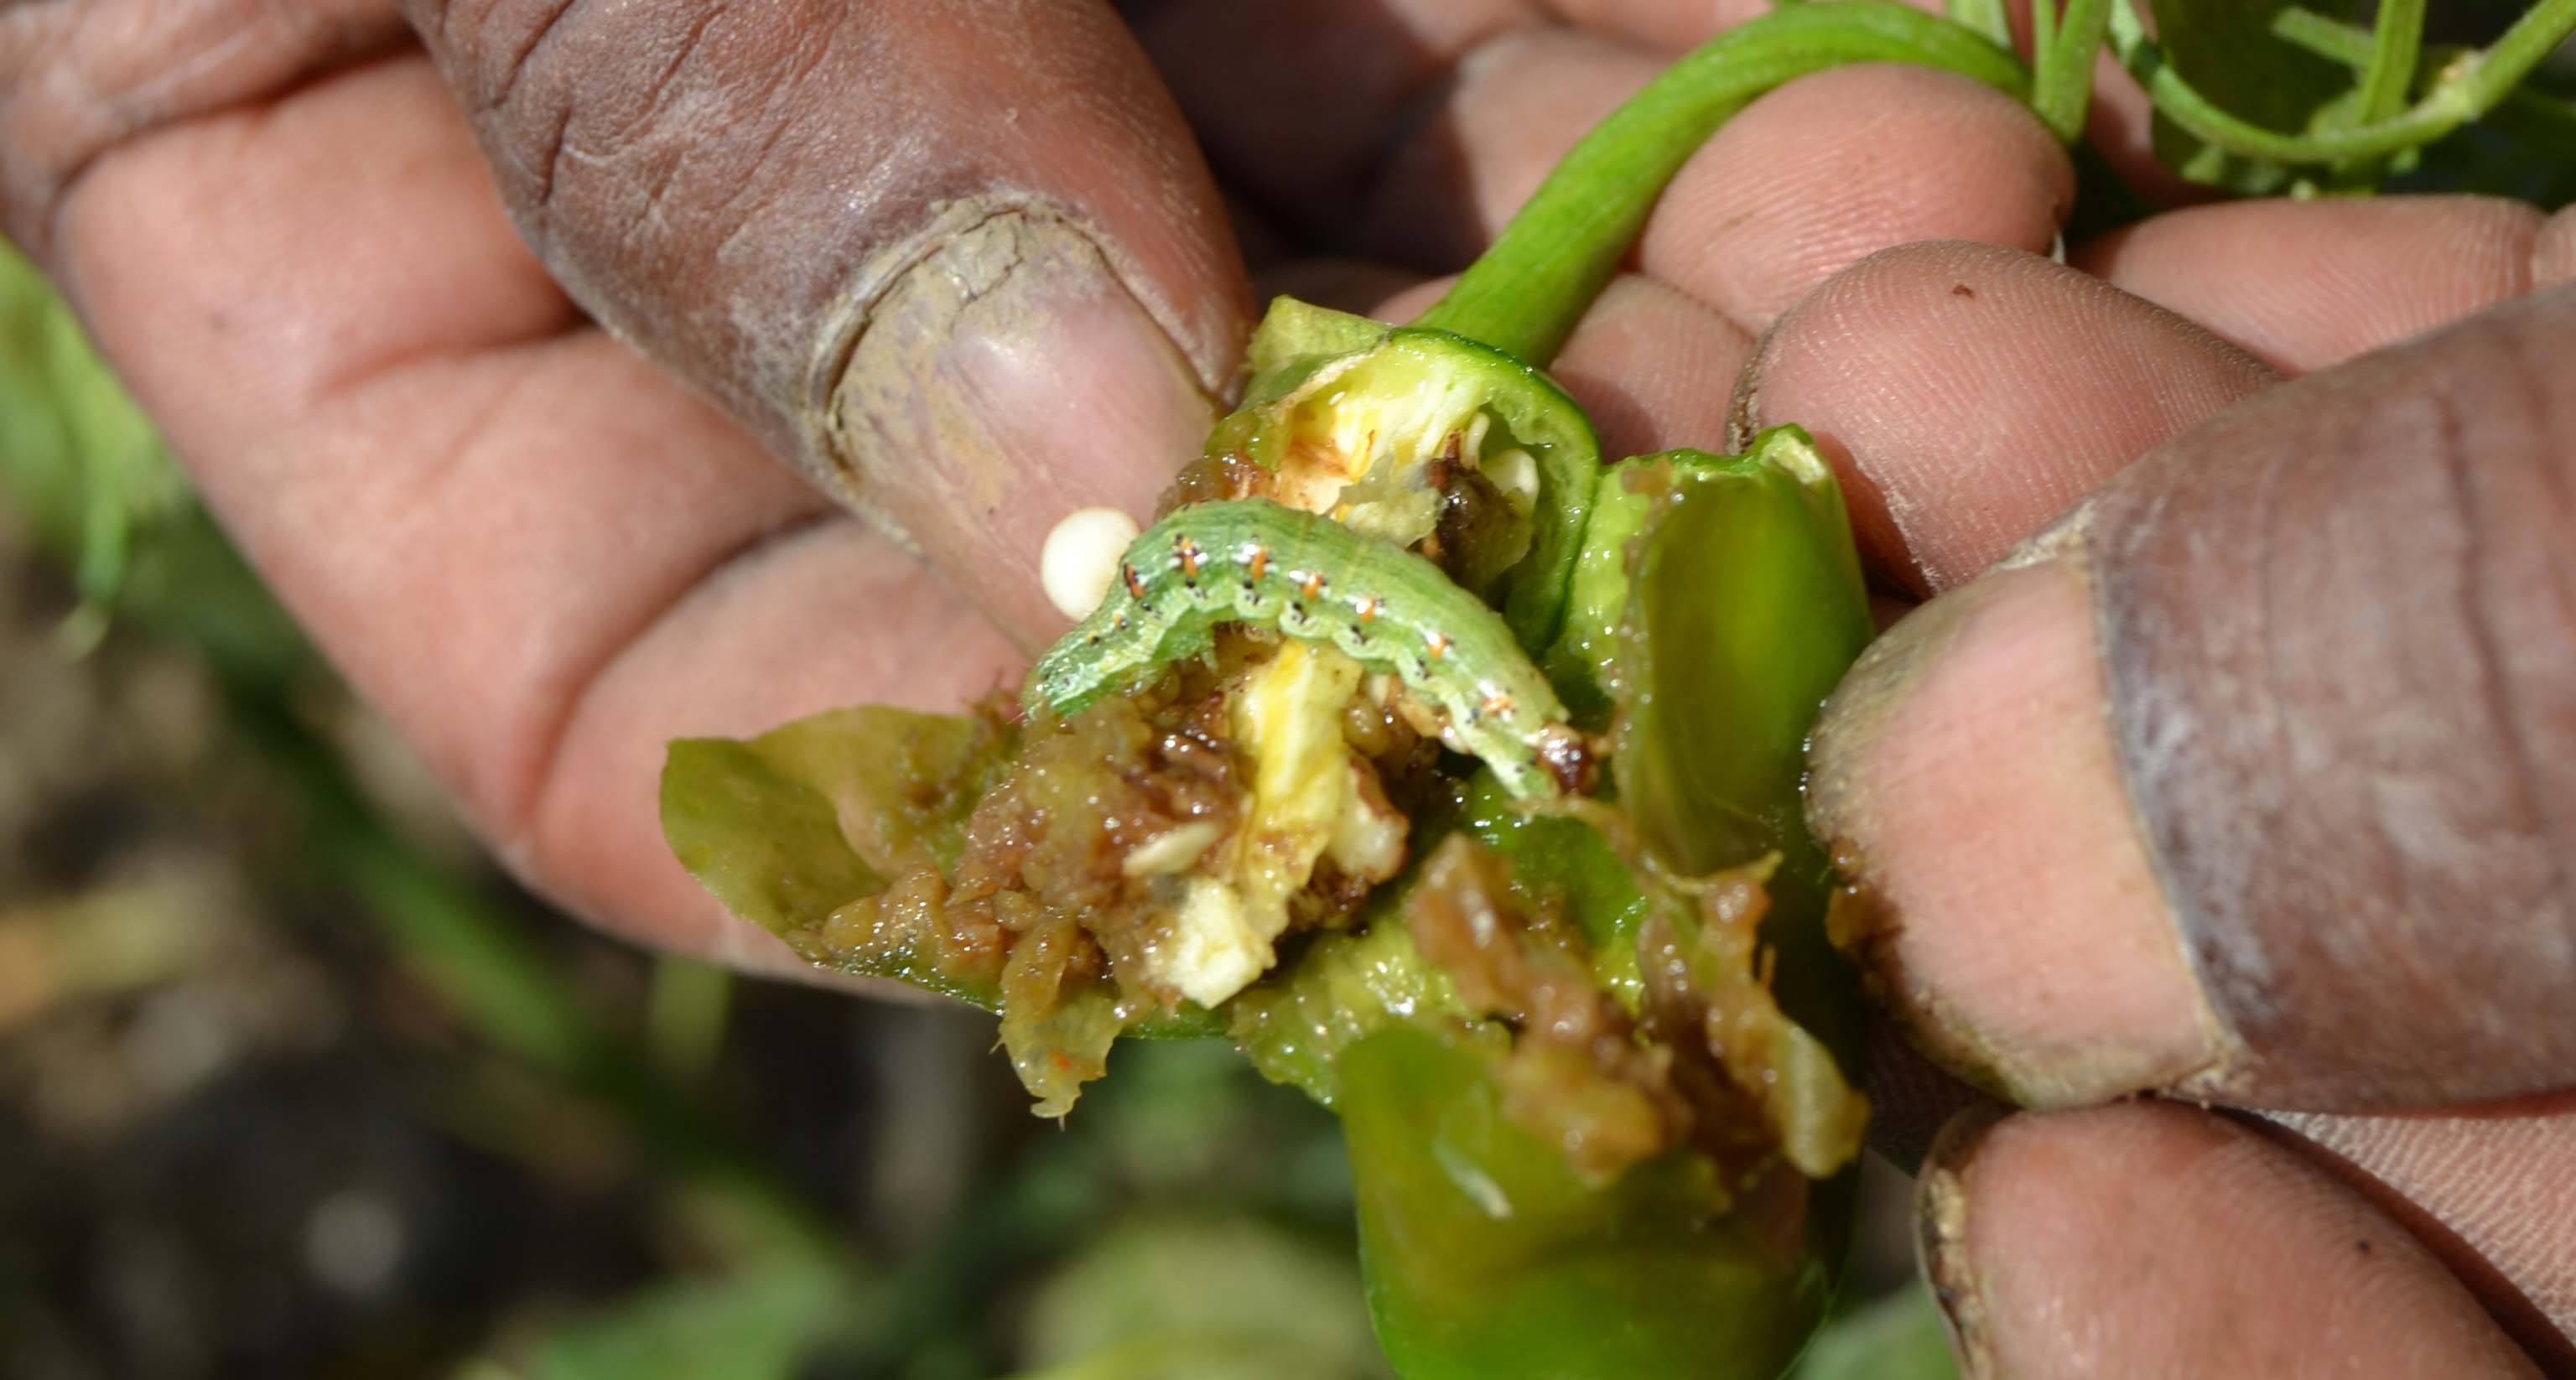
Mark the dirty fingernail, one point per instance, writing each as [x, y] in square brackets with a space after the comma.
[1966, 777]
[1004, 379]
[1941, 1237]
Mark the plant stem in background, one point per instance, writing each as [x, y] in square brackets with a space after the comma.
[2063, 49]
[2397, 41]
[2387, 77]
[2469, 87]
[2358, 47]
[2327, 37]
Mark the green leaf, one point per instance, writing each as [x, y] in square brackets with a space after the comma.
[2231, 52]
[82, 456]
[788, 827]
[762, 838]
[1986, 17]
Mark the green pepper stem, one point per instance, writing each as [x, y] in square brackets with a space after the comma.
[2396, 42]
[2468, 87]
[2063, 49]
[1985, 16]
[1527, 291]
[2328, 38]
[2352, 45]
[2387, 77]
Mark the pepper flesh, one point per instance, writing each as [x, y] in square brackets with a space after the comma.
[1748, 607]
[1487, 1257]
[1724, 598]
[1358, 420]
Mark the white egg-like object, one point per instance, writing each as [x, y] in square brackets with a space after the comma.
[1080, 558]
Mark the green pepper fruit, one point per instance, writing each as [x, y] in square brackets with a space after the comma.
[1423, 439]
[1346, 986]
[1295, 1025]
[1747, 606]
[1488, 1259]
[1716, 601]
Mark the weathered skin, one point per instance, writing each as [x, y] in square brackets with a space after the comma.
[77, 80]
[757, 199]
[2344, 731]
[864, 229]
[2340, 661]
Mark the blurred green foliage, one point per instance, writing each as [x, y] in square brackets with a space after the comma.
[2301, 68]
[2230, 51]
[90, 476]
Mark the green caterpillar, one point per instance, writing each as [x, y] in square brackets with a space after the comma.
[1253, 561]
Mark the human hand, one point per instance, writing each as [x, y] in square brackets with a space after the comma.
[960, 262]
[543, 557]
[2248, 781]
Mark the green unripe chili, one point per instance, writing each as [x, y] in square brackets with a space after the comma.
[1487, 1258]
[1419, 394]
[1748, 607]
[1719, 600]
[1744, 605]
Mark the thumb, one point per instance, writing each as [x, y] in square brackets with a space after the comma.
[2254, 778]
[959, 263]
